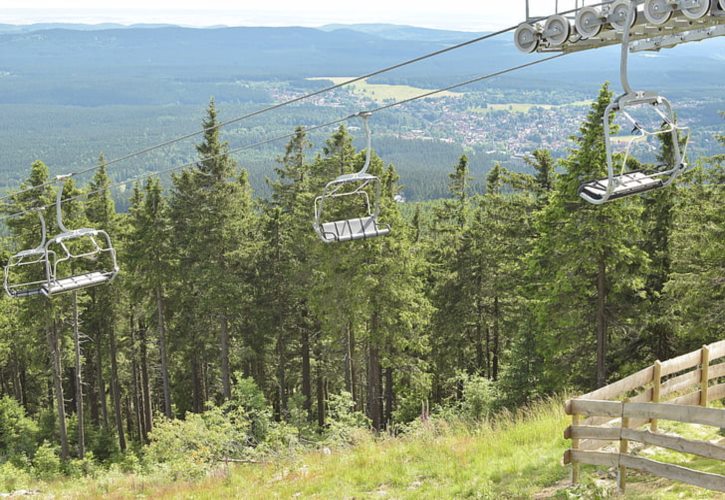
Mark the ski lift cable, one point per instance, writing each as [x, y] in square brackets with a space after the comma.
[291, 135]
[287, 103]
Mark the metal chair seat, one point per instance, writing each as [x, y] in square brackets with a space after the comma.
[629, 184]
[76, 282]
[353, 229]
[75, 233]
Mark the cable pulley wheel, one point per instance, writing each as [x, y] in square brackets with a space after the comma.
[588, 22]
[557, 30]
[699, 10]
[657, 12]
[526, 38]
[618, 15]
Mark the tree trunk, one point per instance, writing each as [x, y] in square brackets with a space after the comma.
[389, 396]
[116, 390]
[351, 365]
[101, 382]
[135, 376]
[93, 400]
[23, 383]
[496, 339]
[320, 398]
[196, 381]
[306, 375]
[58, 386]
[488, 351]
[374, 389]
[163, 352]
[224, 341]
[281, 376]
[98, 366]
[601, 322]
[79, 381]
[480, 360]
[145, 383]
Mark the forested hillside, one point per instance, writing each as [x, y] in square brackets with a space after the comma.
[231, 328]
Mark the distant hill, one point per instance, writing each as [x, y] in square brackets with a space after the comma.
[401, 32]
[27, 28]
[86, 65]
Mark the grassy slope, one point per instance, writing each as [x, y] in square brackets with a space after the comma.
[511, 460]
[508, 460]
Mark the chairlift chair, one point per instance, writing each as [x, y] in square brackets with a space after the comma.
[352, 185]
[32, 261]
[76, 245]
[622, 183]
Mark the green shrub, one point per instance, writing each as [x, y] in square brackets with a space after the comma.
[85, 467]
[248, 400]
[103, 443]
[13, 478]
[46, 462]
[188, 449]
[18, 433]
[479, 397]
[130, 463]
[344, 423]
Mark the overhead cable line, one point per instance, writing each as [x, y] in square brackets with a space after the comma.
[285, 103]
[291, 135]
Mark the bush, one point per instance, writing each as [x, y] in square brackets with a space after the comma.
[248, 400]
[478, 397]
[130, 463]
[82, 467]
[189, 448]
[13, 478]
[17, 432]
[344, 423]
[103, 443]
[46, 462]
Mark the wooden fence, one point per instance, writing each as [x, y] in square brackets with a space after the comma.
[678, 390]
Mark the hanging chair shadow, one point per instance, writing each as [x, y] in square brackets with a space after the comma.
[352, 186]
[620, 182]
[73, 247]
[26, 271]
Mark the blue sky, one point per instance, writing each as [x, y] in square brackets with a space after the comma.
[451, 14]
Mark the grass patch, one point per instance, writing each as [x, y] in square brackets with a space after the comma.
[506, 459]
[383, 92]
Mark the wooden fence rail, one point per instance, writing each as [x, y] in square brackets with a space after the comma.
[678, 389]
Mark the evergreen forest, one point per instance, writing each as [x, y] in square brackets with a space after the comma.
[232, 331]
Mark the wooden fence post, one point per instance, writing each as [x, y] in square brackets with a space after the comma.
[623, 448]
[704, 374]
[656, 383]
[575, 420]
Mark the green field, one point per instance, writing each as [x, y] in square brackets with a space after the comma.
[383, 92]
